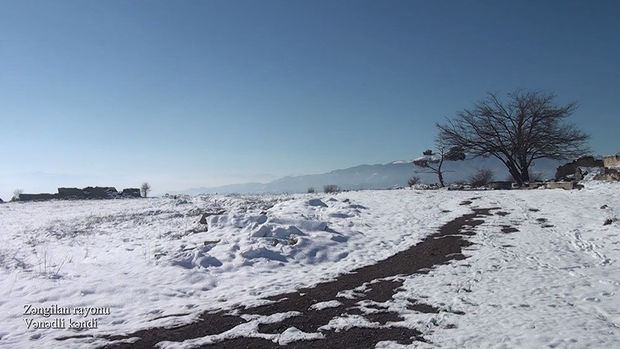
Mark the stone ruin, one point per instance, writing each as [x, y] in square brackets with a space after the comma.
[612, 161]
[88, 193]
[571, 170]
[607, 169]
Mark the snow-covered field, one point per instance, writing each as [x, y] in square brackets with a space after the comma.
[152, 263]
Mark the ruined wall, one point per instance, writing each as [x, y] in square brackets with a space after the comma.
[88, 193]
[612, 161]
[569, 170]
[37, 197]
[100, 192]
[131, 193]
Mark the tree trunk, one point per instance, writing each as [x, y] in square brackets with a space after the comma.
[514, 172]
[439, 174]
[525, 173]
[525, 176]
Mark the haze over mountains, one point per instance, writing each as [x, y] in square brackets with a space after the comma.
[380, 176]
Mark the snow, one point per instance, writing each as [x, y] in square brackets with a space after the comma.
[542, 286]
[248, 329]
[153, 264]
[292, 334]
[325, 305]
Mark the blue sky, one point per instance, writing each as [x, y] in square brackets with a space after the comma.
[203, 93]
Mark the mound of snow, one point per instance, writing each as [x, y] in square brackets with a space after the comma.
[196, 257]
[292, 334]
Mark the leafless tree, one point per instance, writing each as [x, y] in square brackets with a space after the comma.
[16, 194]
[526, 126]
[331, 188]
[145, 188]
[481, 178]
[413, 181]
[433, 162]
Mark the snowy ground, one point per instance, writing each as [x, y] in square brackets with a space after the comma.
[553, 282]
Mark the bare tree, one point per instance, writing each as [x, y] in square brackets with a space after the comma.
[145, 188]
[413, 181]
[526, 126]
[481, 178]
[16, 194]
[433, 162]
[331, 188]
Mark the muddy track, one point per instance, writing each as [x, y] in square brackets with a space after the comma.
[381, 280]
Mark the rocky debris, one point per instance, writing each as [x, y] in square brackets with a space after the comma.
[535, 185]
[571, 170]
[564, 185]
[608, 174]
[316, 203]
[612, 161]
[203, 218]
[194, 230]
[503, 185]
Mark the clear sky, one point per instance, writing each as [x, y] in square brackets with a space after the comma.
[204, 93]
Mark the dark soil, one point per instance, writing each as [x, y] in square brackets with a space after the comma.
[381, 280]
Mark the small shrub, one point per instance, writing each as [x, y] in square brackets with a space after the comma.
[310, 190]
[144, 189]
[16, 194]
[537, 177]
[481, 178]
[413, 181]
[331, 188]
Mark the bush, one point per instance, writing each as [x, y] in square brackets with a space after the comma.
[537, 177]
[413, 181]
[16, 194]
[310, 190]
[331, 188]
[481, 178]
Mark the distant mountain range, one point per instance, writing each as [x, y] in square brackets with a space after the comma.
[381, 176]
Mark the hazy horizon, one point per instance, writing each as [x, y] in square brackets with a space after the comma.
[195, 93]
